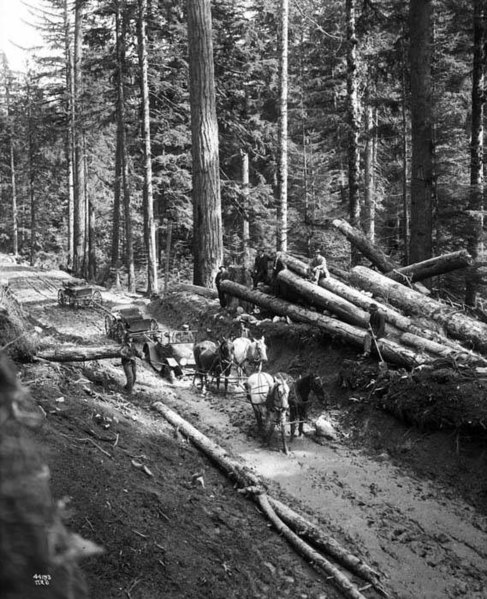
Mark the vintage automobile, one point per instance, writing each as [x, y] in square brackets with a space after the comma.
[129, 319]
[76, 296]
[172, 354]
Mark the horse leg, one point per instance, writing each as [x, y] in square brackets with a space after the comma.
[258, 417]
[283, 437]
[293, 416]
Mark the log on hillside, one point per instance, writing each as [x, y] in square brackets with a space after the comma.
[80, 354]
[457, 324]
[391, 351]
[322, 298]
[422, 344]
[197, 289]
[432, 267]
[374, 254]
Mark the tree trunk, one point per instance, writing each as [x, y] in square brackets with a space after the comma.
[282, 224]
[117, 187]
[207, 221]
[360, 241]
[353, 119]
[405, 157]
[476, 194]
[333, 327]
[122, 136]
[455, 324]
[13, 174]
[79, 211]
[80, 354]
[203, 291]
[91, 242]
[315, 295]
[420, 343]
[422, 188]
[245, 209]
[432, 267]
[369, 192]
[32, 194]
[148, 200]
[70, 126]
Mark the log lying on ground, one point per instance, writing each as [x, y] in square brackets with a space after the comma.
[80, 354]
[457, 324]
[432, 267]
[374, 254]
[249, 482]
[391, 351]
[322, 298]
[197, 289]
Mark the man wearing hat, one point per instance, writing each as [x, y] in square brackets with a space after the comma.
[221, 275]
[261, 263]
[317, 267]
[377, 325]
[129, 354]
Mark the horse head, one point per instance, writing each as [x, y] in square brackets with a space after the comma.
[317, 387]
[259, 349]
[280, 395]
[226, 350]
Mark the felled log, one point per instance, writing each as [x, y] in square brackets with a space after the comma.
[432, 267]
[374, 254]
[320, 297]
[197, 289]
[457, 324]
[80, 354]
[360, 241]
[391, 351]
[246, 479]
[422, 344]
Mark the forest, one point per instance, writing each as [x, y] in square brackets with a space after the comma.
[369, 111]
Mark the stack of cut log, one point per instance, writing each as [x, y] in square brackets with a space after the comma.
[419, 329]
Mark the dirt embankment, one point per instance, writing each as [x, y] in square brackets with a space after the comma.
[411, 503]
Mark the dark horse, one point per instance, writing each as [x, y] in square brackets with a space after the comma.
[215, 360]
[299, 398]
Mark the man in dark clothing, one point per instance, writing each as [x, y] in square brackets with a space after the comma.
[129, 354]
[222, 274]
[259, 274]
[318, 267]
[377, 325]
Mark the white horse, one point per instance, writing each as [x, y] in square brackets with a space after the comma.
[269, 397]
[249, 354]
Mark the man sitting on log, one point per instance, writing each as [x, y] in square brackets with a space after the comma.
[260, 272]
[317, 267]
[377, 325]
[129, 353]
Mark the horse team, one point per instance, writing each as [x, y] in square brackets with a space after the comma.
[275, 399]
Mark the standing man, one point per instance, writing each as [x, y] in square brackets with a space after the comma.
[377, 325]
[317, 267]
[259, 274]
[129, 354]
[221, 275]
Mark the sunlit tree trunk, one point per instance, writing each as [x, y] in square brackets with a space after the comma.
[369, 166]
[282, 212]
[70, 126]
[122, 143]
[405, 161]
[13, 174]
[31, 174]
[422, 184]
[476, 196]
[79, 211]
[115, 253]
[207, 221]
[245, 208]
[353, 120]
[149, 225]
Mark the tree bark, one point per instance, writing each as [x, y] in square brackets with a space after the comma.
[316, 295]
[79, 209]
[354, 109]
[70, 126]
[207, 220]
[422, 188]
[476, 193]
[148, 200]
[391, 351]
[369, 166]
[455, 324]
[197, 289]
[282, 224]
[80, 354]
[245, 211]
[432, 267]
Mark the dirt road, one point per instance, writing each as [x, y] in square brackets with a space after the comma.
[420, 534]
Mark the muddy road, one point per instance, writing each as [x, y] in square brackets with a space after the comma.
[426, 539]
